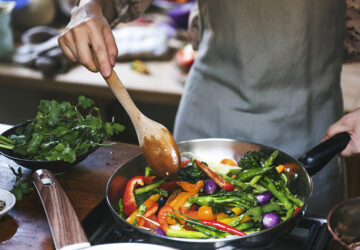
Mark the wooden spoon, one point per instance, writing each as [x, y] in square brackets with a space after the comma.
[157, 143]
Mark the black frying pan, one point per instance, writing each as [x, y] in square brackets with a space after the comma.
[215, 150]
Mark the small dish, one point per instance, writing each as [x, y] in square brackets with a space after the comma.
[56, 166]
[9, 200]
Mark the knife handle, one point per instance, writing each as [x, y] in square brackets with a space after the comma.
[64, 224]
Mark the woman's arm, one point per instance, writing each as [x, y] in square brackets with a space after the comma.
[89, 28]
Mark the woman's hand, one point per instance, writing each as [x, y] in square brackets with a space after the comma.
[349, 123]
[88, 28]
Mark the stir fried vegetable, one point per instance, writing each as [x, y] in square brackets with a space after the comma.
[203, 203]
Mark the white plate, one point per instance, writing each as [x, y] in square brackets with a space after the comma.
[9, 199]
[130, 246]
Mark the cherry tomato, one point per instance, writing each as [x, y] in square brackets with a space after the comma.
[206, 213]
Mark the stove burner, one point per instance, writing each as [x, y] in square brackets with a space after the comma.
[311, 233]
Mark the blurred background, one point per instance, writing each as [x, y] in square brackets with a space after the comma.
[153, 60]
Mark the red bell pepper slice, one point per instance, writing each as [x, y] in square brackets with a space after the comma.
[151, 222]
[129, 203]
[163, 215]
[169, 186]
[223, 184]
[296, 210]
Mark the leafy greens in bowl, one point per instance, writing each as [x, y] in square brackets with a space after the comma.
[60, 136]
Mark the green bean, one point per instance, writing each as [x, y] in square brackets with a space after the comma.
[149, 187]
[294, 199]
[271, 159]
[289, 213]
[237, 221]
[266, 182]
[149, 171]
[206, 231]
[245, 225]
[249, 173]
[255, 180]
[196, 222]
[258, 189]
[252, 230]
[186, 234]
[236, 183]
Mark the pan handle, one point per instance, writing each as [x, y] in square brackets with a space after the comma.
[64, 224]
[317, 157]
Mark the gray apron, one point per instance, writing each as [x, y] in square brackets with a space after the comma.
[269, 72]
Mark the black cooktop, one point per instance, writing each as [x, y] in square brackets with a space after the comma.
[310, 233]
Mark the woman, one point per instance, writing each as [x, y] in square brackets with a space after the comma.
[266, 71]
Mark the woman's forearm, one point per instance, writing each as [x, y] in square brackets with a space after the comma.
[107, 7]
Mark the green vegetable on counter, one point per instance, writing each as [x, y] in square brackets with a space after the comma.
[20, 188]
[61, 132]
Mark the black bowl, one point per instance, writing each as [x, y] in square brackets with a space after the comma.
[58, 166]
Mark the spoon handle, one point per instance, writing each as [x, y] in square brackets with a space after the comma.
[120, 92]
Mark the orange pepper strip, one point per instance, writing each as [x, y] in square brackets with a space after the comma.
[193, 188]
[246, 219]
[178, 202]
[148, 203]
[280, 168]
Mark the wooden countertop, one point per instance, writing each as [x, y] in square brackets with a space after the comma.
[163, 85]
[26, 226]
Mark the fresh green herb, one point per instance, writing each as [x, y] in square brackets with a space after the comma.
[255, 213]
[61, 132]
[141, 198]
[250, 160]
[20, 188]
[191, 174]
[153, 186]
